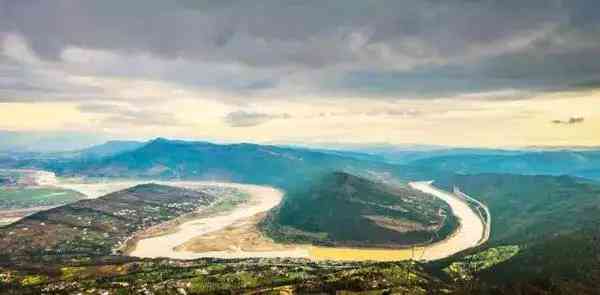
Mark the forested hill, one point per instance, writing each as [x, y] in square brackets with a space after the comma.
[555, 222]
[343, 209]
[525, 208]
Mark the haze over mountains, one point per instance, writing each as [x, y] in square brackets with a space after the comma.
[162, 158]
[576, 163]
[204, 160]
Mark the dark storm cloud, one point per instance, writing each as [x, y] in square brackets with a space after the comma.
[390, 48]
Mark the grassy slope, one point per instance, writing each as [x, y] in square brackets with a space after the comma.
[334, 210]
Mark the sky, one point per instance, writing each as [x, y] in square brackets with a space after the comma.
[504, 73]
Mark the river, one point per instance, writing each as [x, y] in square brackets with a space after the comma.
[472, 230]
[262, 199]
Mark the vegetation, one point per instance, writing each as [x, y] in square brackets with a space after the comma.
[210, 276]
[96, 227]
[564, 162]
[27, 197]
[545, 235]
[469, 265]
[227, 200]
[527, 208]
[553, 220]
[345, 210]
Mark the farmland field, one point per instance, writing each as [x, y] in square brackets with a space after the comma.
[18, 197]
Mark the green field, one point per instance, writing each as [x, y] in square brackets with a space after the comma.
[16, 198]
[467, 266]
[231, 199]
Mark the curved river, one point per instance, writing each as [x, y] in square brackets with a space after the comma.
[472, 230]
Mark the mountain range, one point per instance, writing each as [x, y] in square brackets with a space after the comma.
[563, 162]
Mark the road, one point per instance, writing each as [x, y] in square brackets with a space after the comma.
[487, 218]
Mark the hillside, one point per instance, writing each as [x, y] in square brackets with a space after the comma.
[109, 148]
[575, 163]
[284, 167]
[94, 227]
[345, 210]
[553, 219]
[525, 208]
[162, 158]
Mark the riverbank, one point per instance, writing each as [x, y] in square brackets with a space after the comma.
[471, 232]
[472, 229]
[234, 233]
[262, 199]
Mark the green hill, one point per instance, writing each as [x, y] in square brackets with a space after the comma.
[526, 208]
[555, 221]
[342, 209]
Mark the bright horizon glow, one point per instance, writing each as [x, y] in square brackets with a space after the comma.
[358, 121]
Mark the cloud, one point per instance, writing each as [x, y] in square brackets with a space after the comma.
[119, 115]
[249, 119]
[283, 32]
[571, 121]
[387, 49]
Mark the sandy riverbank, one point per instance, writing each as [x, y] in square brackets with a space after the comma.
[262, 199]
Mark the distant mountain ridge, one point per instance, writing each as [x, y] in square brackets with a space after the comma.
[109, 148]
[564, 162]
[176, 159]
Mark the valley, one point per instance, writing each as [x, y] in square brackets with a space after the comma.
[325, 223]
[233, 231]
[290, 147]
